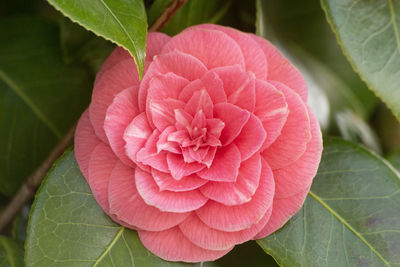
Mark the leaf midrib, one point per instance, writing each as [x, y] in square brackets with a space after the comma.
[109, 247]
[20, 93]
[345, 223]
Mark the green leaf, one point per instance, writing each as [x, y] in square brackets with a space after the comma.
[11, 253]
[68, 227]
[351, 216]
[123, 22]
[40, 96]
[369, 33]
[196, 12]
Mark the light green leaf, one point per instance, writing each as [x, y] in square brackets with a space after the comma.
[11, 253]
[40, 96]
[369, 33]
[68, 228]
[351, 216]
[123, 22]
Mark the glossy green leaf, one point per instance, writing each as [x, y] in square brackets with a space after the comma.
[40, 96]
[369, 33]
[68, 228]
[123, 22]
[196, 12]
[11, 253]
[351, 216]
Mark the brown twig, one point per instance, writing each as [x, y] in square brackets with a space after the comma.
[28, 189]
[166, 15]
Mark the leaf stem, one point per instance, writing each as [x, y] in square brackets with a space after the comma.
[166, 15]
[28, 189]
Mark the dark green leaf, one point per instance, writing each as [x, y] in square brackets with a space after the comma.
[68, 227]
[123, 22]
[11, 253]
[351, 216]
[156, 10]
[196, 12]
[40, 96]
[369, 33]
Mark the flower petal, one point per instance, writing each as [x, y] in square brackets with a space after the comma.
[117, 78]
[282, 210]
[233, 117]
[295, 134]
[208, 238]
[102, 162]
[280, 69]
[213, 48]
[85, 142]
[172, 245]
[239, 192]
[119, 115]
[166, 182]
[149, 155]
[236, 218]
[154, 43]
[163, 112]
[166, 200]
[181, 64]
[272, 110]
[251, 137]
[239, 86]
[179, 168]
[225, 166]
[294, 178]
[200, 100]
[128, 206]
[254, 57]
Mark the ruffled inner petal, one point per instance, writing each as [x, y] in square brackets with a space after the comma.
[179, 168]
[239, 192]
[149, 155]
[166, 182]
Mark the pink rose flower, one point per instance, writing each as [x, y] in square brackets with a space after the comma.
[215, 146]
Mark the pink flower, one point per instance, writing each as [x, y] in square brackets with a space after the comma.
[213, 147]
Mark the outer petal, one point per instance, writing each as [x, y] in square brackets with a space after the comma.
[236, 218]
[280, 69]
[172, 245]
[239, 192]
[208, 238]
[213, 48]
[239, 86]
[254, 58]
[121, 76]
[166, 182]
[233, 117]
[85, 142]
[294, 178]
[127, 205]
[251, 138]
[282, 210]
[225, 166]
[295, 135]
[181, 64]
[101, 164]
[166, 200]
[272, 110]
[119, 115]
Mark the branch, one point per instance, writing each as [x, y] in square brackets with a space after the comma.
[28, 189]
[166, 15]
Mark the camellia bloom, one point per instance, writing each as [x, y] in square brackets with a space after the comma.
[213, 147]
